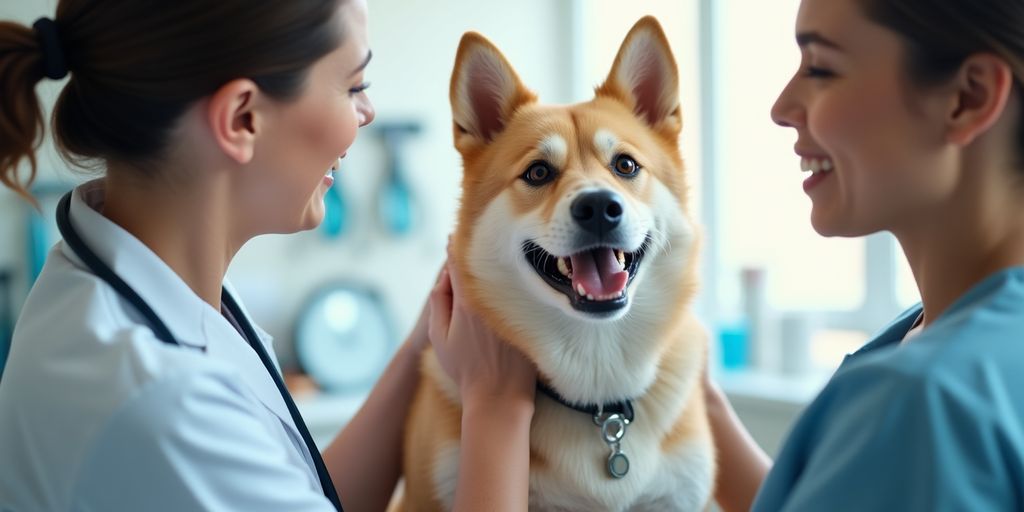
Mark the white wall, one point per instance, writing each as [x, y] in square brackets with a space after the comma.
[414, 44]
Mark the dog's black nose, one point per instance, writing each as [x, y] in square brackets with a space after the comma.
[597, 212]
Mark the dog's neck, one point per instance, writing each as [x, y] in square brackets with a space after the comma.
[623, 407]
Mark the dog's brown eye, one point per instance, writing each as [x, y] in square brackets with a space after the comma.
[625, 166]
[538, 173]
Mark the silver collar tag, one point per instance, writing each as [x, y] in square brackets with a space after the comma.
[613, 429]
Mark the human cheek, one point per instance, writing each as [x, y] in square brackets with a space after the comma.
[835, 124]
[347, 134]
[345, 127]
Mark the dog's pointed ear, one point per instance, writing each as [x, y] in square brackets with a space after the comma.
[645, 77]
[485, 91]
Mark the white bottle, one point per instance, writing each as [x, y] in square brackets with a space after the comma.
[796, 331]
[755, 309]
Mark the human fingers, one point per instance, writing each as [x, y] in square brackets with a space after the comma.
[440, 308]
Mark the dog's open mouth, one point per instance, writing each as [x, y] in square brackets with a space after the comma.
[594, 280]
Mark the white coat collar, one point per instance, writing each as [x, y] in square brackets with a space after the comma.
[172, 300]
[190, 319]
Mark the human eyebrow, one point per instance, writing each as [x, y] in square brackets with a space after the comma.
[369, 55]
[804, 39]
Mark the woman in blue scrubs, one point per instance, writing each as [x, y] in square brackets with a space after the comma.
[213, 123]
[908, 116]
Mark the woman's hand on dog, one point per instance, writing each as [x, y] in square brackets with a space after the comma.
[484, 367]
[496, 385]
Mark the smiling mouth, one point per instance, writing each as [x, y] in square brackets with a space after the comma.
[594, 279]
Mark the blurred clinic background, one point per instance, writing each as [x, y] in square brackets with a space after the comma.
[783, 304]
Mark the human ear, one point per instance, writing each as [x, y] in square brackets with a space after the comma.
[983, 85]
[232, 118]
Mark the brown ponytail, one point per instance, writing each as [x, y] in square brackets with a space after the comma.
[21, 118]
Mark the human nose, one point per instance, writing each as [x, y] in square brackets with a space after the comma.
[366, 111]
[787, 110]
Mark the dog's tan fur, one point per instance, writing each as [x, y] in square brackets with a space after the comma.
[654, 353]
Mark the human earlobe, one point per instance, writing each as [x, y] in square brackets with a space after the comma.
[232, 118]
[984, 83]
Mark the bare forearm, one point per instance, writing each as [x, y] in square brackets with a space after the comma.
[742, 463]
[494, 432]
[365, 460]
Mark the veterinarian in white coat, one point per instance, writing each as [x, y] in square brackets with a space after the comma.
[114, 418]
[136, 380]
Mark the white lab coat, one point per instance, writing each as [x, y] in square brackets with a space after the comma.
[98, 414]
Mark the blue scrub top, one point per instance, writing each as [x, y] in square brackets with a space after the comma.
[934, 424]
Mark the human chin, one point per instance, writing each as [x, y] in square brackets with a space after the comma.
[313, 210]
[313, 215]
[821, 223]
[831, 221]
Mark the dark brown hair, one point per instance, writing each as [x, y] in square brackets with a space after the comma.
[136, 66]
[941, 34]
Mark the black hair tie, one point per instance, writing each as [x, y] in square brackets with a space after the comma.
[54, 64]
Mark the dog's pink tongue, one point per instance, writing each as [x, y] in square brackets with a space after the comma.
[599, 273]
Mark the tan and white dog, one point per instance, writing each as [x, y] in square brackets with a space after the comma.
[575, 244]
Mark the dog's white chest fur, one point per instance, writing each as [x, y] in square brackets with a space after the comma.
[656, 482]
[575, 478]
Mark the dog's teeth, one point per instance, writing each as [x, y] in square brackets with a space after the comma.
[580, 290]
[621, 256]
[563, 268]
[590, 297]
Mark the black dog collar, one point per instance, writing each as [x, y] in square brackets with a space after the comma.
[624, 407]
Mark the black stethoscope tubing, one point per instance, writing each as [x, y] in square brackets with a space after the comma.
[107, 274]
